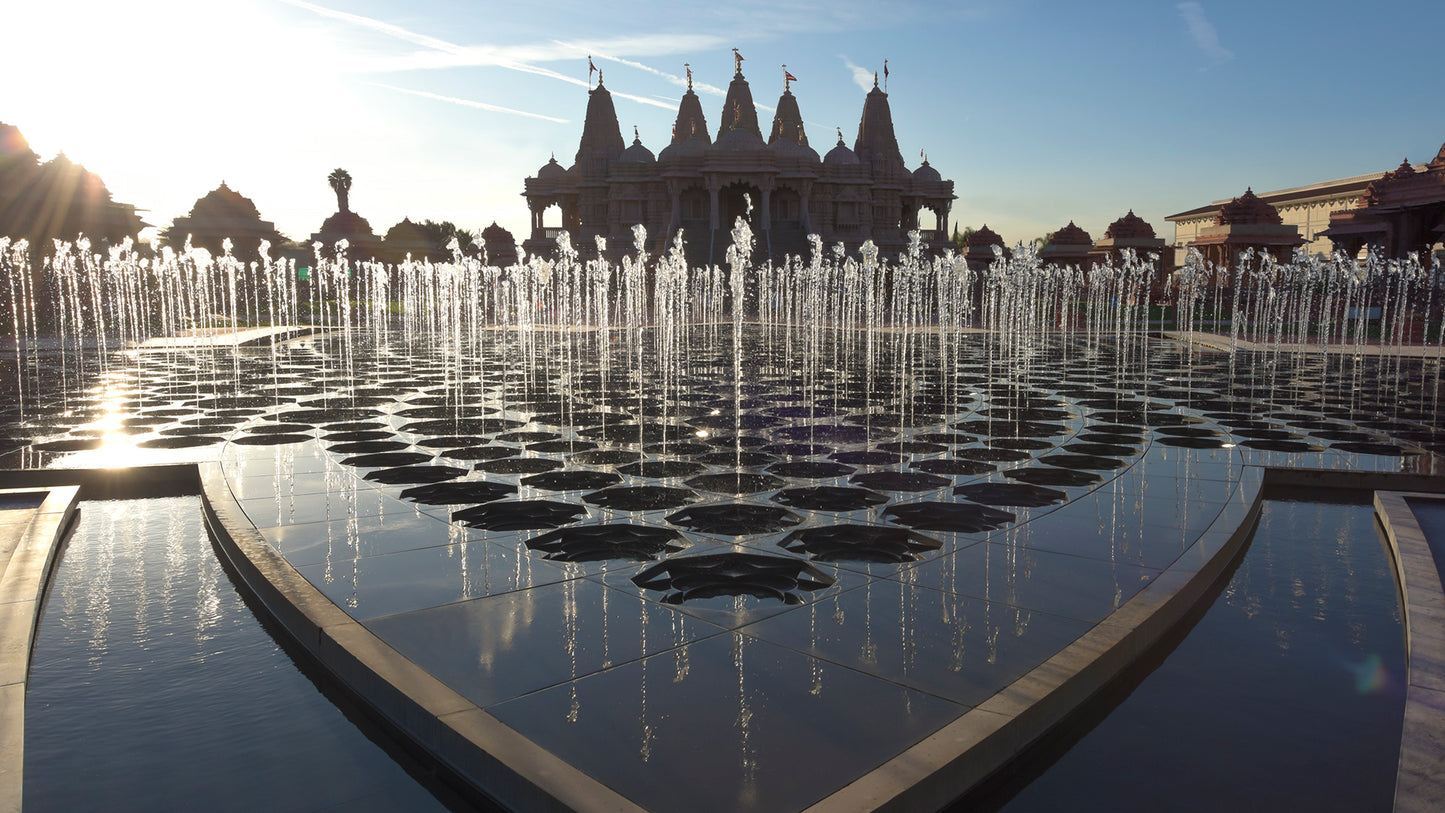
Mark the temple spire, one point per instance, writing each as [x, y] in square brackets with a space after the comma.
[876, 143]
[788, 120]
[690, 123]
[738, 111]
[601, 134]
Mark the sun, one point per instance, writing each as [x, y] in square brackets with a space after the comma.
[152, 86]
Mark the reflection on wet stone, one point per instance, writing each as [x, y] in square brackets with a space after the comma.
[522, 515]
[948, 516]
[595, 543]
[901, 481]
[859, 543]
[1019, 494]
[640, 498]
[829, 498]
[415, 474]
[735, 519]
[471, 491]
[736, 482]
[687, 578]
[572, 480]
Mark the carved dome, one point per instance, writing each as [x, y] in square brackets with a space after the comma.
[926, 173]
[1130, 226]
[495, 232]
[792, 149]
[691, 148]
[346, 224]
[551, 171]
[1247, 209]
[739, 139]
[1070, 235]
[406, 230]
[983, 238]
[636, 154]
[223, 201]
[840, 154]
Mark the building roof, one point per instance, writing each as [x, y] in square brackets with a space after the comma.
[1070, 235]
[984, 236]
[926, 173]
[1130, 227]
[840, 154]
[1247, 209]
[1353, 185]
[636, 154]
[551, 171]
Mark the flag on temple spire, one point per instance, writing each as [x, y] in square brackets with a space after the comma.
[591, 69]
[789, 77]
[885, 76]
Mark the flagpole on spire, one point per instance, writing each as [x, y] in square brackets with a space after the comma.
[591, 69]
[787, 79]
[688, 66]
[885, 76]
[737, 62]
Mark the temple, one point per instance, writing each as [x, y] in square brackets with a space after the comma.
[1395, 213]
[700, 185]
[1401, 213]
[219, 215]
[1244, 224]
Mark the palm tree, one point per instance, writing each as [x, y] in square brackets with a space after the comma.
[340, 181]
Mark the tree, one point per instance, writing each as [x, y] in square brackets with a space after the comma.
[340, 181]
[441, 234]
[960, 239]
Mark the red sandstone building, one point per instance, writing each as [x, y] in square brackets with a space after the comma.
[1401, 213]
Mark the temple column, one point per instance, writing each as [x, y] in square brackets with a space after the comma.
[767, 210]
[712, 193]
[674, 194]
[805, 191]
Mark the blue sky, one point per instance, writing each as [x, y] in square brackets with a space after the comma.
[1040, 112]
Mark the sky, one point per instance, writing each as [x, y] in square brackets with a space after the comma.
[1040, 112]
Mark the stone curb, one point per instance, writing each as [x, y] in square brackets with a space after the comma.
[936, 771]
[494, 759]
[1420, 778]
[22, 589]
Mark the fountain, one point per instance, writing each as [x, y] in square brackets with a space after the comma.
[669, 525]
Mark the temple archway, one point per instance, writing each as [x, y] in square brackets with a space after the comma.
[733, 203]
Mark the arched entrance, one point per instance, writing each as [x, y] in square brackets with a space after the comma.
[733, 203]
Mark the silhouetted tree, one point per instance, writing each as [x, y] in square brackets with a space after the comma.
[441, 234]
[56, 200]
[960, 239]
[340, 181]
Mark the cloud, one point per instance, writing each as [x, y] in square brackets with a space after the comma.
[444, 54]
[1202, 31]
[862, 76]
[470, 103]
[598, 50]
